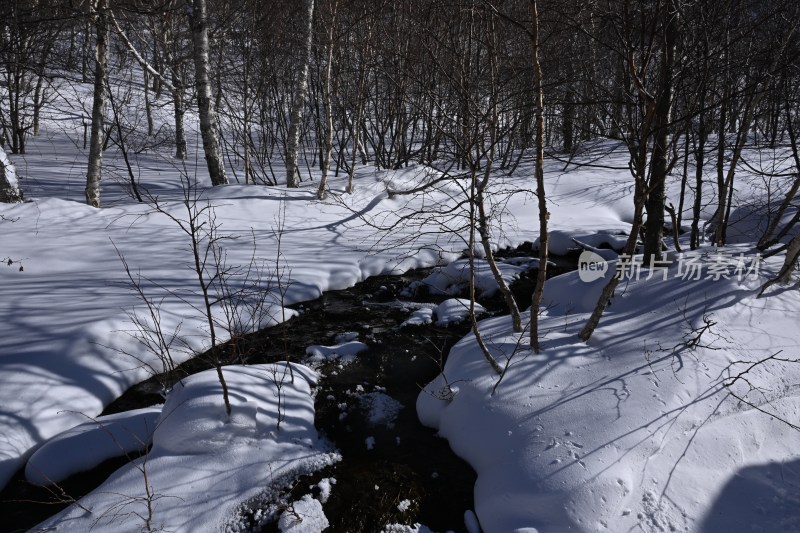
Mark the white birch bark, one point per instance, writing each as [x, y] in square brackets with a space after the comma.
[209, 128]
[541, 275]
[178, 111]
[328, 146]
[139, 59]
[99, 11]
[292, 175]
[9, 186]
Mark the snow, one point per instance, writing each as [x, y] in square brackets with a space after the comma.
[634, 430]
[401, 528]
[455, 310]
[346, 336]
[90, 443]
[471, 522]
[325, 486]
[453, 279]
[203, 460]
[381, 409]
[419, 317]
[563, 242]
[304, 516]
[346, 352]
[70, 347]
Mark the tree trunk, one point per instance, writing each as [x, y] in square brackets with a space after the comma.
[148, 108]
[209, 128]
[789, 265]
[694, 238]
[630, 247]
[93, 174]
[656, 198]
[767, 239]
[39, 93]
[9, 189]
[541, 274]
[327, 99]
[357, 130]
[292, 174]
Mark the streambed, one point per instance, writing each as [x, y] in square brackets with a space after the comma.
[393, 470]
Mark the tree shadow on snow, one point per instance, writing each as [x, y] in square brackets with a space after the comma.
[758, 498]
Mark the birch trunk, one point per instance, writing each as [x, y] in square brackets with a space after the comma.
[178, 111]
[100, 14]
[9, 186]
[541, 276]
[360, 103]
[148, 108]
[292, 174]
[328, 146]
[209, 128]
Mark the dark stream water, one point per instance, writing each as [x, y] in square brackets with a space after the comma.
[407, 461]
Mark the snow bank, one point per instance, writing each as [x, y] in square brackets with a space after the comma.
[69, 346]
[634, 430]
[453, 279]
[419, 317]
[563, 242]
[455, 310]
[303, 516]
[346, 352]
[208, 462]
[89, 444]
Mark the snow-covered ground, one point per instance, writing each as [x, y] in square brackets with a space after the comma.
[632, 431]
[209, 462]
[637, 430]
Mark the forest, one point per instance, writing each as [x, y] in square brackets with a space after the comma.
[570, 227]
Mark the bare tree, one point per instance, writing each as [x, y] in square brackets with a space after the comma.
[541, 275]
[655, 109]
[327, 147]
[209, 127]
[9, 189]
[301, 90]
[98, 10]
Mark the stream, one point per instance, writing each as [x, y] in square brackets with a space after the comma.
[393, 470]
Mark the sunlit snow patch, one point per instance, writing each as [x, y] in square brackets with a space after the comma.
[206, 461]
[455, 310]
[381, 409]
[303, 516]
[345, 352]
[401, 528]
[420, 317]
[453, 279]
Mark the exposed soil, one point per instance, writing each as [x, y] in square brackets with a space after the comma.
[407, 461]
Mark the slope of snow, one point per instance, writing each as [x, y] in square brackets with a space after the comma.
[634, 431]
[69, 347]
[89, 444]
[622, 433]
[209, 463]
